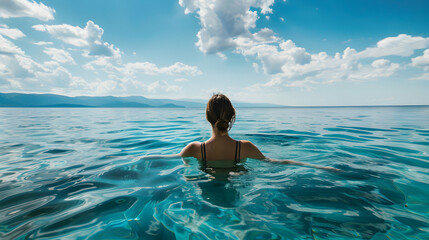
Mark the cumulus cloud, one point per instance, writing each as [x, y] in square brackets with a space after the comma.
[69, 34]
[402, 45]
[88, 37]
[16, 67]
[8, 48]
[256, 67]
[180, 69]
[20, 72]
[41, 43]
[152, 69]
[96, 87]
[225, 24]
[12, 33]
[231, 25]
[421, 61]
[161, 85]
[424, 76]
[292, 66]
[107, 75]
[129, 76]
[222, 56]
[59, 55]
[25, 8]
[274, 59]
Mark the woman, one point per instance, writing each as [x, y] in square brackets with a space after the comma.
[221, 151]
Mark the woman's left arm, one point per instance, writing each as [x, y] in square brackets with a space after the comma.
[302, 164]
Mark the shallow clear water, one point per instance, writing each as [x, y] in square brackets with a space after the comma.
[70, 173]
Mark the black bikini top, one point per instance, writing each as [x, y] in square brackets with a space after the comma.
[236, 158]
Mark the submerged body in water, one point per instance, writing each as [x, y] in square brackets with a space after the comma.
[72, 173]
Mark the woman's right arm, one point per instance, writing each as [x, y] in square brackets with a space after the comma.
[251, 151]
[191, 150]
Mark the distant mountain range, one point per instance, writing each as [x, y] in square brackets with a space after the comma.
[53, 100]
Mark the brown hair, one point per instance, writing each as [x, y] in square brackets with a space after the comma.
[220, 112]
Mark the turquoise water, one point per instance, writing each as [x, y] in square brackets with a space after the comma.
[70, 174]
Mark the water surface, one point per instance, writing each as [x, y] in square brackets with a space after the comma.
[71, 173]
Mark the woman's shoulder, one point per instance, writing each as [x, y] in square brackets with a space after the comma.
[191, 149]
[195, 144]
[250, 150]
[246, 143]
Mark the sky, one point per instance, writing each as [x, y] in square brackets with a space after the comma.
[293, 52]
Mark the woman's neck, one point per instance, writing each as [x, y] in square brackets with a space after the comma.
[218, 134]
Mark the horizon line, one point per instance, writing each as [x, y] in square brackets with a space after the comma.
[276, 105]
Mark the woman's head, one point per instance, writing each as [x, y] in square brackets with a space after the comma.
[220, 112]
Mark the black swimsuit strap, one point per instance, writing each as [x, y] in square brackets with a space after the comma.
[236, 148]
[237, 152]
[203, 154]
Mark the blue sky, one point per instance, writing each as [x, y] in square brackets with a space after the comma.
[294, 52]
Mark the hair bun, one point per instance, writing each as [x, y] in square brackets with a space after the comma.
[222, 124]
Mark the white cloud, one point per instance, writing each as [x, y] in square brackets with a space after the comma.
[274, 60]
[143, 67]
[256, 67]
[25, 8]
[221, 55]
[421, 61]
[59, 55]
[402, 45]
[58, 77]
[152, 69]
[12, 33]
[41, 43]
[20, 72]
[129, 75]
[225, 24]
[51, 64]
[108, 75]
[69, 34]
[163, 85]
[424, 76]
[8, 48]
[180, 69]
[292, 66]
[101, 62]
[16, 66]
[96, 87]
[291, 63]
[265, 35]
[88, 37]
[181, 80]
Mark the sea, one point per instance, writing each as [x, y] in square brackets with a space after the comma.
[76, 173]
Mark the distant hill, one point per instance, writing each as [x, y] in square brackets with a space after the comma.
[53, 100]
